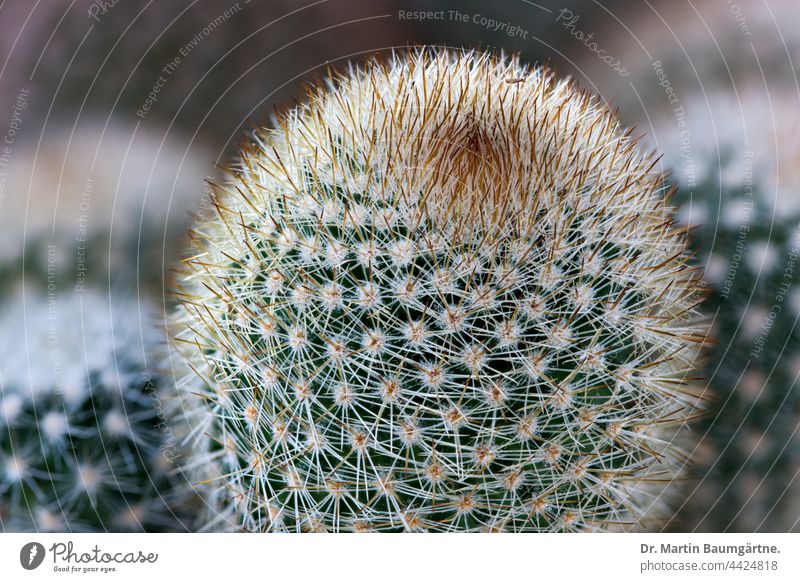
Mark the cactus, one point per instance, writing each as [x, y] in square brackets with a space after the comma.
[84, 443]
[442, 295]
[103, 204]
[740, 196]
[688, 52]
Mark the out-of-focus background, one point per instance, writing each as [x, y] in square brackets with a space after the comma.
[116, 114]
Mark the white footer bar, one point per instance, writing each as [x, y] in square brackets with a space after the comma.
[400, 557]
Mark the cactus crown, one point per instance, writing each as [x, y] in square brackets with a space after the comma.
[445, 294]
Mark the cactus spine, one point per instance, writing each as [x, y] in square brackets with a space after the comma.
[443, 295]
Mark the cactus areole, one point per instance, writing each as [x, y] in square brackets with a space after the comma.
[445, 294]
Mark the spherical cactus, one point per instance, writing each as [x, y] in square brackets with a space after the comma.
[84, 441]
[739, 187]
[443, 295]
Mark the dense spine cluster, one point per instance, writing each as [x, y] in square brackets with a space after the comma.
[739, 191]
[443, 295]
[84, 441]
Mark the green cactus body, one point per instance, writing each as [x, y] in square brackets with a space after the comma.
[83, 437]
[444, 295]
[745, 215]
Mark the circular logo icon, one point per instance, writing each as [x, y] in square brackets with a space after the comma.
[31, 555]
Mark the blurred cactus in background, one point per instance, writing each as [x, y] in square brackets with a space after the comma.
[675, 50]
[85, 442]
[735, 160]
[105, 205]
[90, 218]
[442, 295]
